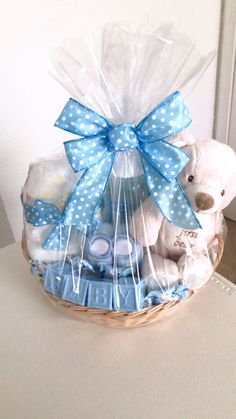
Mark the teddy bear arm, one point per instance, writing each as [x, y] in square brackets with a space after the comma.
[145, 223]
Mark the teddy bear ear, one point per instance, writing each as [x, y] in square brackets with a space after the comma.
[230, 192]
[183, 139]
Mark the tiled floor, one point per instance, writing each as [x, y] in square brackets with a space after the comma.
[227, 267]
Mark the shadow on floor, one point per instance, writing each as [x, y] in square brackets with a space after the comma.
[6, 236]
[227, 266]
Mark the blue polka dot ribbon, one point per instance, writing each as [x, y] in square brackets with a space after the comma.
[95, 150]
[41, 213]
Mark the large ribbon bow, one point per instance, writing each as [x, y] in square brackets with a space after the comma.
[95, 151]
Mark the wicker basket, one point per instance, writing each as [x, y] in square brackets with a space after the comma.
[119, 319]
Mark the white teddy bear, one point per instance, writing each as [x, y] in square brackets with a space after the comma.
[174, 255]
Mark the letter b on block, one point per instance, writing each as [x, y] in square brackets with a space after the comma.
[100, 295]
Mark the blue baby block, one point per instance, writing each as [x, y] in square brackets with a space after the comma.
[100, 295]
[55, 278]
[129, 294]
[76, 286]
[67, 282]
[75, 289]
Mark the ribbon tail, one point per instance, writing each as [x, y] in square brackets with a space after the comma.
[87, 194]
[61, 238]
[168, 159]
[41, 213]
[81, 205]
[170, 198]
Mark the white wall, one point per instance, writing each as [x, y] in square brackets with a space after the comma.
[31, 100]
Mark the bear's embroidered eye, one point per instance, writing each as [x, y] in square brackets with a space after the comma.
[222, 192]
[190, 178]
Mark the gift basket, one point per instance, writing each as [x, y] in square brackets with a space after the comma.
[126, 222]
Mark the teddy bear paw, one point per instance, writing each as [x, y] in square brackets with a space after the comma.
[159, 272]
[195, 270]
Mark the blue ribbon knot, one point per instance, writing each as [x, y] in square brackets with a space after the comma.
[123, 137]
[95, 150]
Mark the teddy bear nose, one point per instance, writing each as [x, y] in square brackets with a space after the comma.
[204, 201]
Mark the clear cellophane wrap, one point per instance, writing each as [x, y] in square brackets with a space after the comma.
[129, 256]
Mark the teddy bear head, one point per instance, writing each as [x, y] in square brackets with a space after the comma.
[209, 178]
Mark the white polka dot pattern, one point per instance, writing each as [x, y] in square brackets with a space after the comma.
[167, 159]
[83, 153]
[88, 192]
[60, 237]
[170, 199]
[165, 120]
[41, 213]
[80, 120]
[123, 137]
